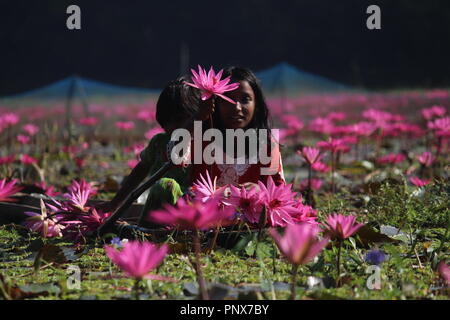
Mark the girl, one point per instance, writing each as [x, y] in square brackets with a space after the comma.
[249, 112]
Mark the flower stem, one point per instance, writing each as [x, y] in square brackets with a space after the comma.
[214, 241]
[136, 289]
[294, 281]
[333, 168]
[338, 262]
[309, 197]
[200, 279]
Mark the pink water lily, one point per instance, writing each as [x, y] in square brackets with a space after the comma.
[137, 259]
[341, 227]
[8, 159]
[23, 139]
[310, 154]
[30, 128]
[434, 111]
[26, 159]
[300, 243]
[320, 167]
[444, 271]
[248, 201]
[8, 189]
[315, 184]
[419, 182]
[88, 121]
[125, 125]
[44, 222]
[205, 189]
[334, 145]
[195, 215]
[152, 132]
[79, 193]
[392, 158]
[426, 158]
[210, 84]
[441, 126]
[48, 190]
[306, 213]
[279, 202]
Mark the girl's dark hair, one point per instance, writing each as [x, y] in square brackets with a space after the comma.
[177, 101]
[261, 117]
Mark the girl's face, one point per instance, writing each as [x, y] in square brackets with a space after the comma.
[239, 115]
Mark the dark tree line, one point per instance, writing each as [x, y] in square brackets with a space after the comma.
[138, 42]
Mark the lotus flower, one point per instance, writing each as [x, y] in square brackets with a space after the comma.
[419, 182]
[441, 126]
[429, 113]
[322, 125]
[26, 159]
[8, 189]
[7, 159]
[132, 163]
[43, 223]
[279, 202]
[125, 125]
[341, 227]
[444, 272]
[31, 129]
[320, 167]
[88, 121]
[137, 259]
[79, 194]
[248, 201]
[10, 119]
[426, 158]
[195, 215]
[206, 189]
[146, 115]
[79, 225]
[210, 84]
[363, 128]
[23, 139]
[299, 244]
[315, 184]
[392, 158]
[334, 145]
[306, 213]
[48, 190]
[152, 132]
[310, 154]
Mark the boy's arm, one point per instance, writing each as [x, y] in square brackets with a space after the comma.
[129, 184]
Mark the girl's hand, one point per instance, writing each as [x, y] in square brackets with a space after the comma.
[206, 108]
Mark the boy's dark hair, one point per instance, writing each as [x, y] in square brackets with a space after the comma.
[176, 102]
[261, 118]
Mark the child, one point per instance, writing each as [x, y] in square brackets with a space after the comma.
[249, 112]
[176, 104]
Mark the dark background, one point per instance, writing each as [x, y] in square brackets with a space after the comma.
[137, 43]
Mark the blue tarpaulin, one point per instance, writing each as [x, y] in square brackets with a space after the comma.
[285, 79]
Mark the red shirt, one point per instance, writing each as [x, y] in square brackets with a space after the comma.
[241, 173]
